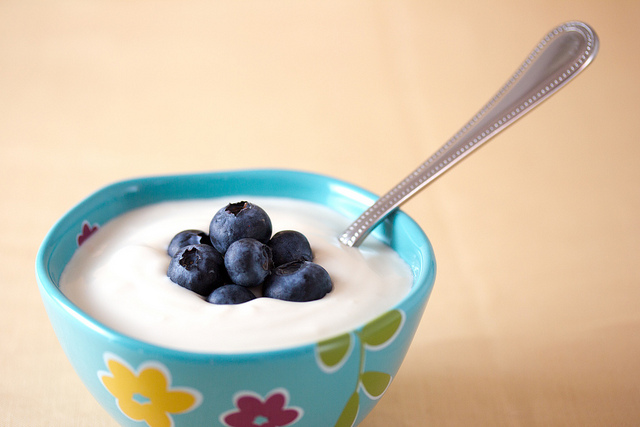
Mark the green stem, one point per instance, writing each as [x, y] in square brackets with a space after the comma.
[361, 365]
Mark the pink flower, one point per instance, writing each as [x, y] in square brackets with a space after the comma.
[253, 411]
[87, 231]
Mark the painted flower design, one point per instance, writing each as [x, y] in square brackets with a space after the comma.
[146, 394]
[87, 231]
[332, 354]
[254, 411]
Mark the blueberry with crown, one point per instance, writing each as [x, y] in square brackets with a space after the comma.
[237, 221]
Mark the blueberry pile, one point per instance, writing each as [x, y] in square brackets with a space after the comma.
[240, 258]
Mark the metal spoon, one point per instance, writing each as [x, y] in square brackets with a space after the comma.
[556, 60]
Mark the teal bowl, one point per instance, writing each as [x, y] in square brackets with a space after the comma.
[335, 382]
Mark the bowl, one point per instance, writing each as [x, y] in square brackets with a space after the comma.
[335, 382]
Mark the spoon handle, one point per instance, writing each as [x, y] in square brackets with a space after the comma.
[556, 60]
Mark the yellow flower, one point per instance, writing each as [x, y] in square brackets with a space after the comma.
[147, 395]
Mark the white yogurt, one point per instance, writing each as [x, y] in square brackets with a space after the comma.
[118, 276]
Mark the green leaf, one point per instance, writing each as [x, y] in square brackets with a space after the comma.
[334, 352]
[350, 411]
[382, 330]
[375, 383]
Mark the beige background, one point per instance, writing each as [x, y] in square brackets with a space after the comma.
[534, 319]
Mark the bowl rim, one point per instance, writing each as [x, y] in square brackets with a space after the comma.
[51, 294]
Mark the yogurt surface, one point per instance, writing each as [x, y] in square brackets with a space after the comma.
[118, 276]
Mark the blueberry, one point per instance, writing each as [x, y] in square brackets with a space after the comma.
[186, 238]
[248, 262]
[289, 245]
[199, 268]
[230, 294]
[237, 221]
[298, 281]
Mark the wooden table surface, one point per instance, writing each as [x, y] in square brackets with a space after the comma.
[535, 315]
